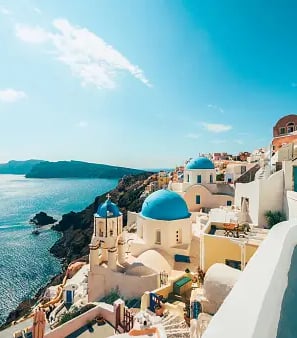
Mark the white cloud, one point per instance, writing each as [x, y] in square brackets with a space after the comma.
[215, 107]
[88, 56]
[192, 136]
[11, 95]
[82, 124]
[5, 11]
[216, 127]
[31, 34]
[37, 10]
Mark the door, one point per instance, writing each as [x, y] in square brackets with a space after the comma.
[295, 178]
[69, 296]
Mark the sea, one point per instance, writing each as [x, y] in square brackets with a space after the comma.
[25, 262]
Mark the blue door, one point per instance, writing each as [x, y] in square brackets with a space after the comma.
[69, 297]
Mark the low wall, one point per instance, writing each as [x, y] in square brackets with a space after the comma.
[75, 324]
[102, 280]
[254, 304]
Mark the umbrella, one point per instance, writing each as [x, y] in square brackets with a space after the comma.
[38, 324]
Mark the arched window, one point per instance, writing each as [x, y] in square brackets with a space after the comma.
[290, 127]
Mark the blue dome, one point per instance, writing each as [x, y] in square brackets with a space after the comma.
[108, 209]
[165, 205]
[200, 163]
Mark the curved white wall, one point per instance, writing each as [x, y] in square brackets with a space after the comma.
[252, 309]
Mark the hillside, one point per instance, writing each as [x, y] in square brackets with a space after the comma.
[18, 167]
[77, 227]
[78, 169]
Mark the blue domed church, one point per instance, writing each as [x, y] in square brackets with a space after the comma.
[163, 223]
[200, 188]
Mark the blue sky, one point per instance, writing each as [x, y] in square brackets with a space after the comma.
[143, 83]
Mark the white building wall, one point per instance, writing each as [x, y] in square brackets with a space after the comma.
[271, 195]
[205, 176]
[263, 195]
[250, 191]
[254, 304]
[168, 232]
[291, 204]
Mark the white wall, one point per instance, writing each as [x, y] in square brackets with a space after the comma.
[250, 191]
[131, 217]
[168, 232]
[101, 280]
[205, 175]
[291, 199]
[271, 195]
[263, 195]
[252, 309]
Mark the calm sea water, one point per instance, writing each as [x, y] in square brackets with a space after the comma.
[25, 262]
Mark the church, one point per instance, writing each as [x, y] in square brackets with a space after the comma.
[164, 243]
[200, 189]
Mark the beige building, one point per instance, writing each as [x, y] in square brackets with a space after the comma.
[222, 242]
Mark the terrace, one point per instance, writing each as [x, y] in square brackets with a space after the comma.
[247, 233]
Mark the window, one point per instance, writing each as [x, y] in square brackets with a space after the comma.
[198, 178]
[158, 237]
[233, 264]
[178, 236]
[198, 199]
[229, 203]
[290, 127]
[188, 178]
[210, 179]
[282, 131]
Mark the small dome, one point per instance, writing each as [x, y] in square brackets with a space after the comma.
[200, 163]
[165, 205]
[108, 209]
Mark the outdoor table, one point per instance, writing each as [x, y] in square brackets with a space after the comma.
[231, 229]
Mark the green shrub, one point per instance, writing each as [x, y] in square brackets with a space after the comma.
[274, 217]
[75, 312]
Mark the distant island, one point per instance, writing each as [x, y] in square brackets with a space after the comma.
[78, 169]
[18, 167]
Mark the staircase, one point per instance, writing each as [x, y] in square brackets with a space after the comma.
[263, 173]
[249, 175]
[175, 327]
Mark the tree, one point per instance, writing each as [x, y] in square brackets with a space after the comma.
[274, 217]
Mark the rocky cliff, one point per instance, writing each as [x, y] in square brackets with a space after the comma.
[77, 228]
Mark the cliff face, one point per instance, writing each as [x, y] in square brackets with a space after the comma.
[77, 228]
[65, 169]
[18, 167]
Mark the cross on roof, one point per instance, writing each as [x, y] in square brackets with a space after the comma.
[108, 196]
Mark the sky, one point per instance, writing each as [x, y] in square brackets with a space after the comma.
[143, 83]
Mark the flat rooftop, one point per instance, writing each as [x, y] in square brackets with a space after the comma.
[254, 237]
